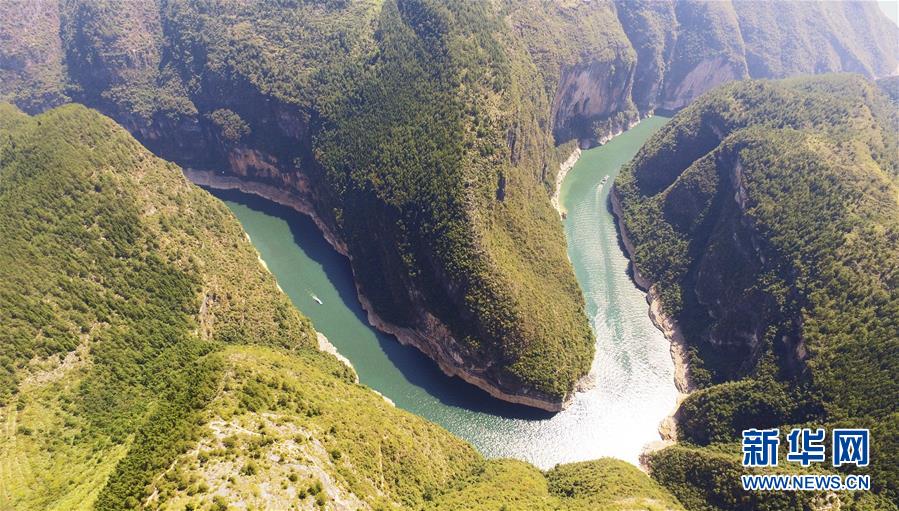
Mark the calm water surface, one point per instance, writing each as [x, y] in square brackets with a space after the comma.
[634, 373]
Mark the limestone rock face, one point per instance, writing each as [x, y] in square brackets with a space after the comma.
[592, 100]
[720, 212]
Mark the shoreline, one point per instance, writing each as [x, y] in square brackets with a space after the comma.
[449, 363]
[325, 345]
[667, 427]
[564, 169]
[669, 328]
[667, 325]
[566, 166]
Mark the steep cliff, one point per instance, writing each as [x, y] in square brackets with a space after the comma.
[460, 193]
[688, 207]
[607, 63]
[420, 133]
[766, 216]
[708, 52]
[687, 48]
[651, 27]
[432, 207]
[587, 63]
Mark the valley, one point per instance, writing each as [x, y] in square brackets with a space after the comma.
[632, 387]
[443, 208]
[442, 255]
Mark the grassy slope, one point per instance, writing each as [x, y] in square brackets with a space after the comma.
[819, 167]
[152, 362]
[110, 251]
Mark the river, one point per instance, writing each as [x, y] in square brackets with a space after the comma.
[633, 369]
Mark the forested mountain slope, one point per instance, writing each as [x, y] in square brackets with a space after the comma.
[149, 361]
[421, 132]
[766, 219]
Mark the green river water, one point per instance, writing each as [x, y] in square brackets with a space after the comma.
[633, 370]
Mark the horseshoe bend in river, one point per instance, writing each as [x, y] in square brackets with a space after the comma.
[633, 369]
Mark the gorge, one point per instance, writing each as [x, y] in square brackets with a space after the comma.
[444, 208]
[632, 387]
[441, 255]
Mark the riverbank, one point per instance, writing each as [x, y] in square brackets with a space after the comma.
[435, 344]
[666, 324]
[219, 181]
[564, 169]
[669, 328]
[566, 166]
[325, 345]
[632, 388]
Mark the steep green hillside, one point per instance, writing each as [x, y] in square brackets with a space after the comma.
[119, 281]
[151, 362]
[463, 227]
[421, 132]
[766, 218]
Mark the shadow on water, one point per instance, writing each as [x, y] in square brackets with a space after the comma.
[620, 237]
[414, 366]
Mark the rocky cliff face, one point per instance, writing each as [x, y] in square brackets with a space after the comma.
[420, 132]
[708, 51]
[651, 28]
[684, 49]
[591, 102]
[701, 77]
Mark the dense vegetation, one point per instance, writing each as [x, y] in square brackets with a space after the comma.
[151, 362]
[105, 276]
[423, 133]
[440, 214]
[438, 181]
[767, 217]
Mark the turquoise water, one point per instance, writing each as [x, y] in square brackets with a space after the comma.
[634, 374]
